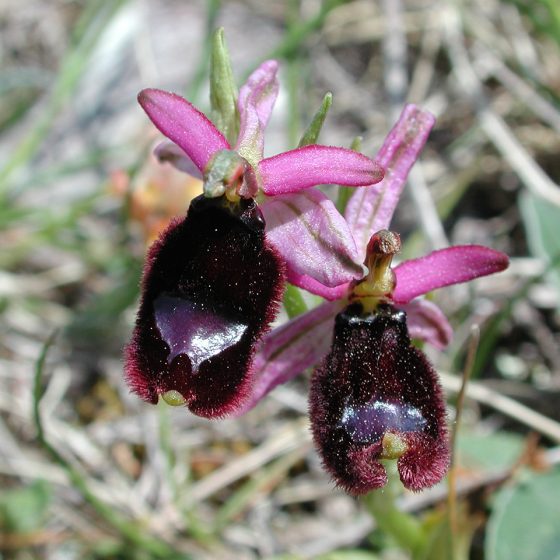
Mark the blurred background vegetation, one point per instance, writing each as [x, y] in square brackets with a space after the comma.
[89, 471]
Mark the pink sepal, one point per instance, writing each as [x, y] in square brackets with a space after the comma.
[311, 285]
[317, 165]
[167, 151]
[445, 267]
[183, 124]
[370, 210]
[255, 103]
[427, 322]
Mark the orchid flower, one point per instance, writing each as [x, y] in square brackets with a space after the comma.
[279, 183]
[375, 396]
[213, 280]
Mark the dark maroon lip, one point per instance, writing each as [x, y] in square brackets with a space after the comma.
[373, 383]
[210, 289]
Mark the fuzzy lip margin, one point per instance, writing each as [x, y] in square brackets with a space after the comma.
[372, 360]
[184, 265]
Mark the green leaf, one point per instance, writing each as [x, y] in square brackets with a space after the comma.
[314, 129]
[23, 510]
[223, 91]
[525, 520]
[541, 219]
[489, 451]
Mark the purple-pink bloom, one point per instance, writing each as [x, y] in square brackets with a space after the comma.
[313, 218]
[374, 395]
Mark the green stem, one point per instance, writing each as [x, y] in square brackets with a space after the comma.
[403, 527]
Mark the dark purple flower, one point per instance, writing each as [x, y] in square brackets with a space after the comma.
[305, 340]
[211, 287]
[375, 396]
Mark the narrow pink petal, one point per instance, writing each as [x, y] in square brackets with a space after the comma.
[291, 348]
[167, 151]
[427, 322]
[370, 210]
[317, 165]
[311, 285]
[312, 237]
[445, 267]
[255, 103]
[184, 124]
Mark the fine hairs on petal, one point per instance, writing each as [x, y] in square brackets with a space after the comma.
[211, 287]
[373, 384]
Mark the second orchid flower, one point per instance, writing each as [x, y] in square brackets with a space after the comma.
[374, 396]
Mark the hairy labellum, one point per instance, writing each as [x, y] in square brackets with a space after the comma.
[211, 287]
[375, 396]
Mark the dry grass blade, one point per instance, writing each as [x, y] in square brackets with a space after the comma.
[511, 408]
[494, 126]
[280, 442]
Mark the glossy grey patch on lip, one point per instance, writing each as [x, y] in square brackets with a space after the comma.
[191, 328]
[366, 423]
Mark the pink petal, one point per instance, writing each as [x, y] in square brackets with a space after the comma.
[317, 165]
[311, 285]
[291, 348]
[427, 322]
[370, 210]
[184, 124]
[312, 237]
[255, 103]
[445, 267]
[167, 151]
